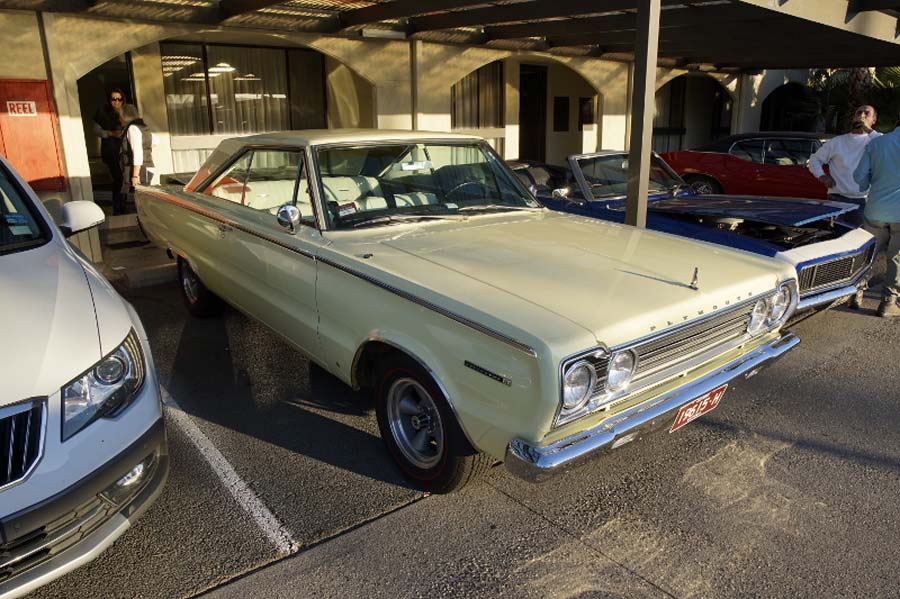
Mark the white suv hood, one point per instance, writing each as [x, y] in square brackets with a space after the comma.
[47, 322]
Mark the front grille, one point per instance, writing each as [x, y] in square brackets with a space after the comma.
[834, 272]
[21, 434]
[669, 349]
[38, 546]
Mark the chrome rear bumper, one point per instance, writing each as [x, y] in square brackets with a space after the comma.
[538, 463]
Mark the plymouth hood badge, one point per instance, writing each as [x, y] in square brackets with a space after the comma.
[696, 279]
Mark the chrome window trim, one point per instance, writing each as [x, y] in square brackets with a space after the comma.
[18, 408]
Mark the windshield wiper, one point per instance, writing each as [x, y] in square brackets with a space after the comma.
[399, 218]
[486, 207]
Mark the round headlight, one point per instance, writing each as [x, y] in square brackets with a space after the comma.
[578, 383]
[759, 317]
[780, 303]
[111, 370]
[621, 369]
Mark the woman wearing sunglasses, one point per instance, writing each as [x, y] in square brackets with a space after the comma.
[108, 128]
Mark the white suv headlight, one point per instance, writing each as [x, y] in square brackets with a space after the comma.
[105, 389]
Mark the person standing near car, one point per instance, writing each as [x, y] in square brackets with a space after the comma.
[108, 127]
[879, 172]
[137, 149]
[842, 154]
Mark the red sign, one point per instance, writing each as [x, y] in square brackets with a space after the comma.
[698, 407]
[21, 108]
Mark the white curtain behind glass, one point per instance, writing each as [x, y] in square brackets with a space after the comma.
[248, 89]
[185, 85]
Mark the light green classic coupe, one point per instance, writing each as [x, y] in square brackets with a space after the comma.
[489, 328]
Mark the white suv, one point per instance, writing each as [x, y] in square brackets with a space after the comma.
[82, 440]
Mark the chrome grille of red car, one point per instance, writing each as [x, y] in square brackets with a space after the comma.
[21, 435]
[834, 272]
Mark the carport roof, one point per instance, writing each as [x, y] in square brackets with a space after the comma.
[748, 34]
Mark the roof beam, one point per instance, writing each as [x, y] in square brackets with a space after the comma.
[689, 15]
[398, 9]
[521, 11]
[865, 5]
[233, 8]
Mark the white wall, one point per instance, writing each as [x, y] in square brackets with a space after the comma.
[564, 82]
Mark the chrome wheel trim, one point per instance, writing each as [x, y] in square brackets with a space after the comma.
[415, 423]
[703, 187]
[190, 283]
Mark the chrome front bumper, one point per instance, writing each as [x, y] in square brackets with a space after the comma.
[538, 463]
[826, 298]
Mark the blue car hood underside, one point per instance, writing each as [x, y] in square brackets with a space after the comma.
[790, 212]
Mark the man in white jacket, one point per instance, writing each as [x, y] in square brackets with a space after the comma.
[842, 154]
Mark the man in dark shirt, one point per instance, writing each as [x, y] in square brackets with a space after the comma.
[108, 128]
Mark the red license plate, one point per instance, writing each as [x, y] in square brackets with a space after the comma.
[698, 407]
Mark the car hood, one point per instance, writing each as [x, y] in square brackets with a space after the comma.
[791, 212]
[535, 273]
[49, 322]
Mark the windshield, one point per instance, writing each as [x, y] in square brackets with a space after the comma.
[20, 227]
[382, 184]
[607, 176]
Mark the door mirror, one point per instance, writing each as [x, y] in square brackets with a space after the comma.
[561, 193]
[79, 216]
[289, 218]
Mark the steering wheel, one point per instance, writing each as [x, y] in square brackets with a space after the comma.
[480, 192]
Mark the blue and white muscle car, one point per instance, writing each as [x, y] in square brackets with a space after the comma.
[832, 258]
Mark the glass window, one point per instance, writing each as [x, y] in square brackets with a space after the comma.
[560, 113]
[477, 99]
[750, 150]
[307, 74]
[607, 176]
[248, 89]
[585, 112]
[272, 180]
[383, 184]
[788, 152]
[184, 81]
[20, 227]
[231, 183]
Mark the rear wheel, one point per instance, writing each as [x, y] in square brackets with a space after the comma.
[420, 430]
[199, 300]
[703, 184]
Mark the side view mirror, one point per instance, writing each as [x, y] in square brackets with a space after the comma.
[561, 193]
[289, 218]
[80, 216]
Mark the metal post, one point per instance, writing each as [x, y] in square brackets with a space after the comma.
[646, 44]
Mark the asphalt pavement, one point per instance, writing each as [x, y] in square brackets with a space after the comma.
[280, 487]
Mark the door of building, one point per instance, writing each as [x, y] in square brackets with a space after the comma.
[533, 112]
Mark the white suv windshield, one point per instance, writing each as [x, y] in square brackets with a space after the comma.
[384, 183]
[20, 226]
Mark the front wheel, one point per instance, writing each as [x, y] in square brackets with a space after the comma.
[420, 430]
[199, 300]
[703, 184]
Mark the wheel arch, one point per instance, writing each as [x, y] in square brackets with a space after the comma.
[380, 345]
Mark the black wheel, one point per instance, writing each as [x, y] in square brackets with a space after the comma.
[420, 430]
[199, 300]
[703, 184]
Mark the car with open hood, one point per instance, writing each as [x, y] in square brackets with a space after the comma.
[487, 327]
[83, 448]
[831, 257]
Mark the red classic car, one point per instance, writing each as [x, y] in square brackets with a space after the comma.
[766, 163]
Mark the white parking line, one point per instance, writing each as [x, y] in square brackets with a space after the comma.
[271, 527]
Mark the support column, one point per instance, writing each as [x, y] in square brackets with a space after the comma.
[644, 92]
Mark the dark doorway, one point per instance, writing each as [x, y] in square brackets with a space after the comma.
[93, 91]
[532, 112]
[790, 107]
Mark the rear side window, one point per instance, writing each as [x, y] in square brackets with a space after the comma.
[21, 227]
[788, 152]
[230, 184]
[750, 150]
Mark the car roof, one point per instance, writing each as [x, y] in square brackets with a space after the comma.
[314, 137]
[725, 142]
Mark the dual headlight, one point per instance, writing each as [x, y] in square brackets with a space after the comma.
[580, 379]
[105, 389]
[773, 310]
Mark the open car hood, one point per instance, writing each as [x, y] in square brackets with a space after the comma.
[790, 212]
